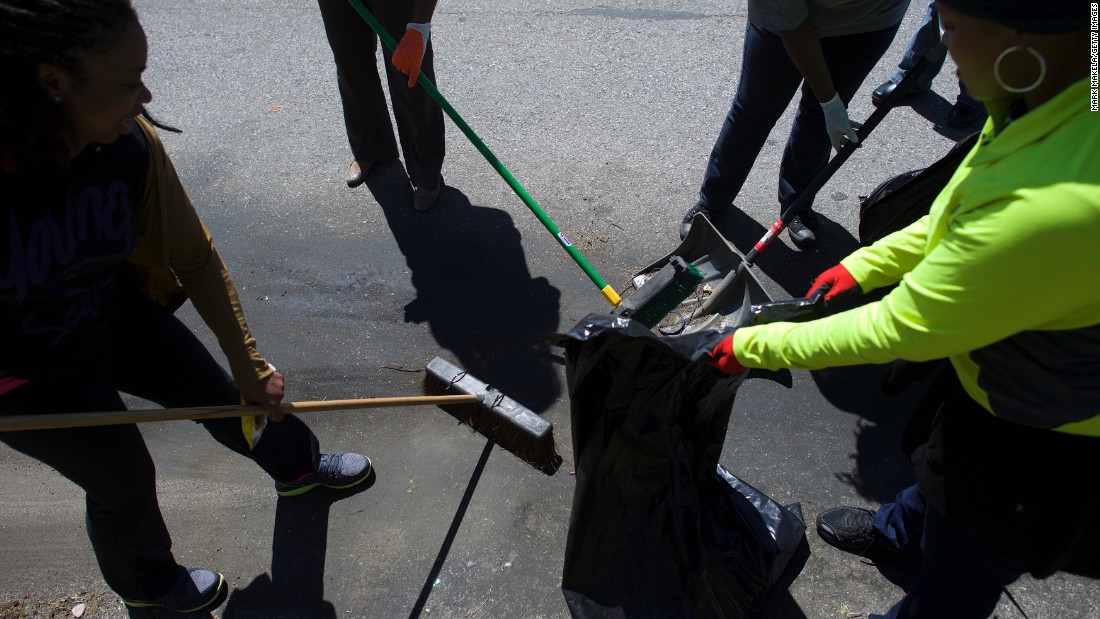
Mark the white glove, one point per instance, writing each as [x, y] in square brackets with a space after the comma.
[837, 123]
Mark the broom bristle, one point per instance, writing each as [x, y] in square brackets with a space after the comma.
[663, 293]
[522, 432]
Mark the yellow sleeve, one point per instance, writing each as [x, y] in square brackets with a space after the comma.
[194, 260]
[1008, 267]
[885, 262]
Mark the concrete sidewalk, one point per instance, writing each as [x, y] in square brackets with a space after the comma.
[606, 114]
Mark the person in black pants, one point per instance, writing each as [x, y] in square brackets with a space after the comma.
[419, 118]
[101, 245]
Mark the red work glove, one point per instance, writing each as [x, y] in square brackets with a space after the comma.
[410, 51]
[836, 279]
[722, 357]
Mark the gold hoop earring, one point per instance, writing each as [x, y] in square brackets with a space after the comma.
[1025, 89]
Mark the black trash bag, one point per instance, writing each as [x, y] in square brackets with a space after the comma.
[798, 309]
[658, 528]
[905, 198]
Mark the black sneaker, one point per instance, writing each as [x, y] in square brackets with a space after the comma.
[195, 590]
[801, 230]
[883, 91]
[698, 209]
[965, 112]
[887, 88]
[339, 471]
[848, 528]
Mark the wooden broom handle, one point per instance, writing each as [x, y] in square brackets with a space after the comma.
[53, 421]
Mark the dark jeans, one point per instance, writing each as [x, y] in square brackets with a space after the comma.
[149, 353]
[959, 577]
[926, 36]
[366, 117]
[769, 80]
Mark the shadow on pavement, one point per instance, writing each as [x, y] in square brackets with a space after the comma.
[879, 467]
[933, 107]
[900, 570]
[474, 289]
[452, 532]
[780, 604]
[295, 587]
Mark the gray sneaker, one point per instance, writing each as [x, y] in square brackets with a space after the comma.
[342, 470]
[195, 590]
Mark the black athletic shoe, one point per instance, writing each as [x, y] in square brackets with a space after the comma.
[195, 590]
[801, 230]
[848, 528]
[698, 209]
[965, 112]
[887, 88]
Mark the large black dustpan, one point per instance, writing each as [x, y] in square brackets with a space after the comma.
[730, 288]
[720, 301]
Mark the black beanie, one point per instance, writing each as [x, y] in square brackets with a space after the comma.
[1034, 16]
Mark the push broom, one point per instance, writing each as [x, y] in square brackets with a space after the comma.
[484, 408]
[57, 421]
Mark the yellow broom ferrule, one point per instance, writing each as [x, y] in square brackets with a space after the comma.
[611, 296]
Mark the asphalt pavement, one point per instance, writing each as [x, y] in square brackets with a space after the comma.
[606, 114]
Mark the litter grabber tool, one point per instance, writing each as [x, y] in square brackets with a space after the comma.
[803, 200]
[608, 292]
[729, 288]
[54, 421]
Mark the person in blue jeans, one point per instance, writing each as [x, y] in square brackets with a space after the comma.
[827, 48]
[961, 576]
[966, 109]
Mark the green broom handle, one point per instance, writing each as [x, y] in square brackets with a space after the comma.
[608, 292]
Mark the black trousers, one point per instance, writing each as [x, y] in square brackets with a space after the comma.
[149, 353]
[366, 117]
[1025, 493]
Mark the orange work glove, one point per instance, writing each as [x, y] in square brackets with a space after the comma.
[410, 51]
[836, 280]
[722, 357]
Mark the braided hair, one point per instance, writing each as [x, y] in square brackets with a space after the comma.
[54, 32]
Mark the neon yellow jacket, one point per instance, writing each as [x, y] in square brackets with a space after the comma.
[1002, 277]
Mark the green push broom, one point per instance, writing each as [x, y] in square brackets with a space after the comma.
[659, 302]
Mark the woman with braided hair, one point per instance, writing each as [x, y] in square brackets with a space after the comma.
[100, 244]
